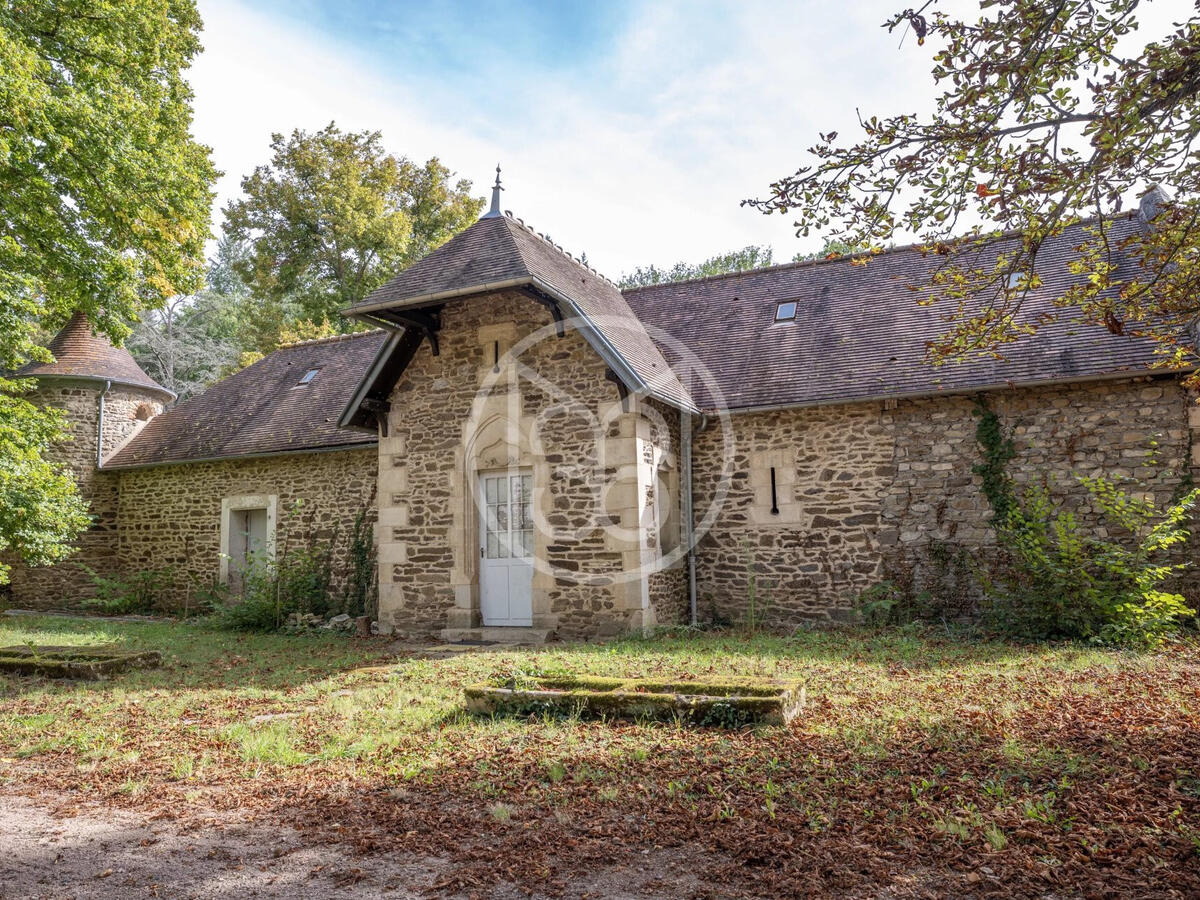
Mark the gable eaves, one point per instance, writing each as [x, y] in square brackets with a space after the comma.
[368, 380]
[594, 336]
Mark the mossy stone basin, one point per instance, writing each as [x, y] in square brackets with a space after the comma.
[730, 704]
[88, 663]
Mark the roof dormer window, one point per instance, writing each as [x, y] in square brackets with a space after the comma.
[308, 377]
[785, 311]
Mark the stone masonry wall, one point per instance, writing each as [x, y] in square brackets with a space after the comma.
[667, 583]
[868, 492]
[66, 584]
[171, 515]
[812, 557]
[935, 515]
[562, 419]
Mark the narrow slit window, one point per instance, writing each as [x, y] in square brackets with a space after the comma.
[308, 376]
[786, 311]
[774, 494]
[495, 356]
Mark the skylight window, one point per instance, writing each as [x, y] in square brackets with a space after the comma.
[308, 377]
[785, 311]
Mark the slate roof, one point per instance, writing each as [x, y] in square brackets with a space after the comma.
[859, 332]
[78, 353]
[261, 409]
[498, 252]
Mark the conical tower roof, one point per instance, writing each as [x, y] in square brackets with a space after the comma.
[81, 354]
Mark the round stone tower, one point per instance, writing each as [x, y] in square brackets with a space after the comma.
[107, 398]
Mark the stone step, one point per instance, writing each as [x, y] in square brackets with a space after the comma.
[520, 637]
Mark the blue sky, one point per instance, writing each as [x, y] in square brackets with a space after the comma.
[454, 38]
[627, 130]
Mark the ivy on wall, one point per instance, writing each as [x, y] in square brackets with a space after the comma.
[997, 451]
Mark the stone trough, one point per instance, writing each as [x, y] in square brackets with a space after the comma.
[726, 704]
[87, 663]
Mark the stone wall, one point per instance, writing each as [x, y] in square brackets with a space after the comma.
[171, 515]
[801, 510]
[868, 492]
[66, 584]
[935, 514]
[813, 555]
[667, 578]
[460, 413]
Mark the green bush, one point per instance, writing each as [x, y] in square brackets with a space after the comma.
[137, 594]
[271, 591]
[887, 603]
[1059, 579]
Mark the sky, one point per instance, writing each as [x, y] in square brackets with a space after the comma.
[629, 131]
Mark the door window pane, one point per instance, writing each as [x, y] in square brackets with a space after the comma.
[508, 516]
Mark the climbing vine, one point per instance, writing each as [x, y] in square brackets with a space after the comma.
[1060, 575]
[362, 586]
[997, 451]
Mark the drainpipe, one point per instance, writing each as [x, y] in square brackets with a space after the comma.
[100, 427]
[685, 440]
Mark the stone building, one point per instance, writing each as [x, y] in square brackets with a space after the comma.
[546, 454]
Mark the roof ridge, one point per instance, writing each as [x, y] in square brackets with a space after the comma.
[329, 339]
[553, 246]
[843, 257]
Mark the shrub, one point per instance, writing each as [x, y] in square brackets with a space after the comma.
[1060, 579]
[298, 583]
[887, 603]
[139, 593]
[207, 595]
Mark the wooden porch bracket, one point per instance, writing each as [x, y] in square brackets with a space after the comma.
[428, 323]
[380, 410]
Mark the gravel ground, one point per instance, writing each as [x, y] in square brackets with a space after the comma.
[50, 848]
[58, 852]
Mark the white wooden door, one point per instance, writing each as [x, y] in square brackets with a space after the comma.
[506, 547]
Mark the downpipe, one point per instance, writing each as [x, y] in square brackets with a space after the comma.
[686, 427]
[100, 426]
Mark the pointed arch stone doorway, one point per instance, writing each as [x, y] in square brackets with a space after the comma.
[499, 497]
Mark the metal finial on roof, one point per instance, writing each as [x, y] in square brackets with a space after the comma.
[494, 212]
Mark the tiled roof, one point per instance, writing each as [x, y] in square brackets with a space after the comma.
[262, 409]
[498, 252]
[475, 259]
[78, 353]
[859, 332]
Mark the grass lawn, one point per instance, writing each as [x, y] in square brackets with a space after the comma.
[921, 764]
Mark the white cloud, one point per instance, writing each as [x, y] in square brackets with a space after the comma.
[640, 154]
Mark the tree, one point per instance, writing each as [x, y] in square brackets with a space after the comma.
[1051, 113]
[831, 249]
[189, 343]
[750, 257]
[40, 509]
[194, 340]
[333, 215]
[104, 207]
